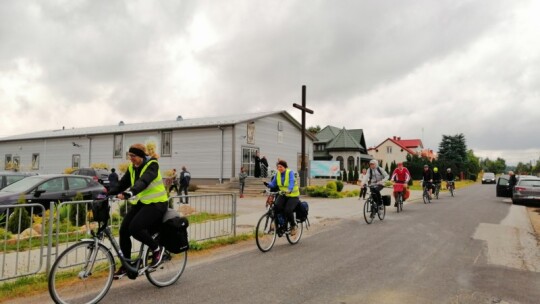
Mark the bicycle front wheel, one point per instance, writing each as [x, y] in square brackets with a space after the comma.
[265, 234]
[452, 191]
[425, 196]
[399, 202]
[169, 271]
[368, 212]
[294, 239]
[83, 273]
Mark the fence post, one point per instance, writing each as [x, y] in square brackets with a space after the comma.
[49, 235]
[234, 214]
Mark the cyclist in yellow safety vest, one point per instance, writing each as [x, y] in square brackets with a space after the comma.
[287, 183]
[144, 180]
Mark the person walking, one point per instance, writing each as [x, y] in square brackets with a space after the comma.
[363, 186]
[113, 178]
[143, 180]
[242, 179]
[512, 181]
[174, 182]
[185, 178]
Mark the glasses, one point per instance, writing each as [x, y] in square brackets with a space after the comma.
[132, 155]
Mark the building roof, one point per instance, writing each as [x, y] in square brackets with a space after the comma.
[410, 143]
[396, 142]
[344, 140]
[179, 123]
[327, 134]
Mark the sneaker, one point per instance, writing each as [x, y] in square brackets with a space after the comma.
[293, 230]
[121, 272]
[156, 256]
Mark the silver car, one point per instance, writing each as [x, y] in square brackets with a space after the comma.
[527, 189]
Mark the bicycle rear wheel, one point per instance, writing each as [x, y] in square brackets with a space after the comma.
[83, 273]
[452, 191]
[399, 202]
[265, 234]
[367, 211]
[294, 239]
[381, 211]
[169, 271]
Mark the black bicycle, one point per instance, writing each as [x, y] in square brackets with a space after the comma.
[425, 194]
[451, 186]
[372, 209]
[437, 189]
[272, 225]
[84, 272]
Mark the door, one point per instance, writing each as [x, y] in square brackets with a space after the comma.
[248, 160]
[52, 190]
[502, 186]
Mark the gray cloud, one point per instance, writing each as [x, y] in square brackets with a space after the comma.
[417, 69]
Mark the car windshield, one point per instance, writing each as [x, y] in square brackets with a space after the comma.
[24, 184]
[489, 175]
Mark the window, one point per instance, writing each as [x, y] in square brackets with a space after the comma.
[340, 160]
[75, 183]
[35, 161]
[8, 160]
[280, 126]
[16, 163]
[350, 163]
[118, 145]
[166, 143]
[75, 160]
[53, 185]
[389, 149]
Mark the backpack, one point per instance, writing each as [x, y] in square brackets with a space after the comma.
[301, 210]
[371, 173]
[173, 233]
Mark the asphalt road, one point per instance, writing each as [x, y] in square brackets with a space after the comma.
[466, 249]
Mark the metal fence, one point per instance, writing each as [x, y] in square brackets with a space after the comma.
[29, 251]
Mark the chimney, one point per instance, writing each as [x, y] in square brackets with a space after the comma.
[179, 118]
[399, 138]
[394, 138]
[121, 123]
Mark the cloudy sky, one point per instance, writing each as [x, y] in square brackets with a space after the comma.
[415, 69]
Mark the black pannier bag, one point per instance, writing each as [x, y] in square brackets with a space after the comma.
[386, 200]
[173, 233]
[301, 210]
[100, 210]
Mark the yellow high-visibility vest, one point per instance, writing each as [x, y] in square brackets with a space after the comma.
[155, 192]
[285, 186]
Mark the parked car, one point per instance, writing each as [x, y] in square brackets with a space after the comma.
[488, 178]
[527, 190]
[47, 188]
[9, 177]
[99, 175]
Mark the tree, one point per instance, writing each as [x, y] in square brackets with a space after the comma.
[453, 154]
[314, 130]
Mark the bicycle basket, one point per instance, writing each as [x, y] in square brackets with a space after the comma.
[100, 210]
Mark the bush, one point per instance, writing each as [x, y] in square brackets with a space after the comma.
[339, 186]
[473, 177]
[77, 212]
[22, 213]
[351, 176]
[331, 186]
[4, 234]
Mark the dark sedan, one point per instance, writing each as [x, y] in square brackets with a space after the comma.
[9, 177]
[47, 188]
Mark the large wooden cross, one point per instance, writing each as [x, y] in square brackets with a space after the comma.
[303, 173]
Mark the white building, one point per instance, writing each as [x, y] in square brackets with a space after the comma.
[212, 149]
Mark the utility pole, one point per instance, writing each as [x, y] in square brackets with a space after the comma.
[303, 173]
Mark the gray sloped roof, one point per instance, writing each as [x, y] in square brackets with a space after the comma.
[344, 140]
[358, 134]
[149, 126]
[327, 134]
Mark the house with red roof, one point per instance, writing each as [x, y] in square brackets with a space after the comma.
[396, 150]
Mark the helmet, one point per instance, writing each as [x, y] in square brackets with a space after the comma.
[448, 170]
[435, 169]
